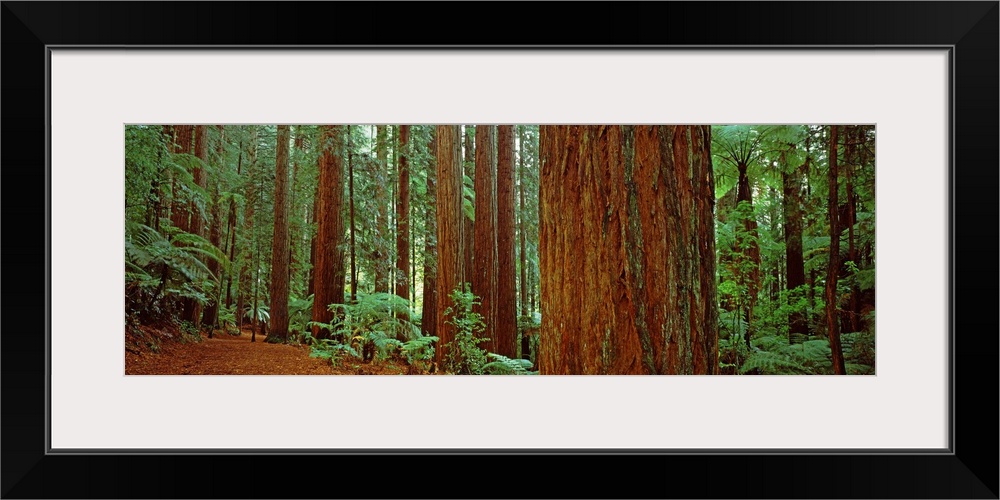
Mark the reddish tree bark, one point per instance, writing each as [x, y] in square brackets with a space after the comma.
[329, 285]
[449, 230]
[791, 181]
[484, 258]
[192, 308]
[279, 243]
[627, 249]
[211, 315]
[506, 294]
[180, 212]
[428, 314]
[832, 321]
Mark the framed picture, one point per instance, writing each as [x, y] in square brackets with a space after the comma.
[922, 76]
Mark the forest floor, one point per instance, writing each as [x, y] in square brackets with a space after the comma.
[226, 354]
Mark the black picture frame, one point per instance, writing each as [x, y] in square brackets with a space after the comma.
[968, 470]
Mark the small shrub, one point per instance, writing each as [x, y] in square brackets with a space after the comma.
[464, 356]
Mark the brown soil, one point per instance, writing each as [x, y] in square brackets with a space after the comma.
[225, 354]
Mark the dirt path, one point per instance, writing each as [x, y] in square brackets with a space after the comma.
[226, 355]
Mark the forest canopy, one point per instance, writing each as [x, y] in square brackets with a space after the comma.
[500, 249]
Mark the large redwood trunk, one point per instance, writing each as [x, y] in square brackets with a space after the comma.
[449, 230]
[279, 246]
[329, 285]
[791, 182]
[484, 257]
[403, 216]
[627, 250]
[506, 294]
[832, 320]
[428, 314]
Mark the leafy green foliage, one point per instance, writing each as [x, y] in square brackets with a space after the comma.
[299, 313]
[377, 324]
[506, 366]
[463, 355]
[162, 268]
[420, 349]
[329, 349]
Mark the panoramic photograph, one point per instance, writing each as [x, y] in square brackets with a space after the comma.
[499, 249]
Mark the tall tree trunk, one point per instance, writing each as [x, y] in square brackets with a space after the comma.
[249, 271]
[403, 217]
[520, 227]
[193, 308]
[748, 252]
[506, 296]
[428, 314]
[627, 248]
[832, 321]
[329, 287]
[854, 137]
[525, 338]
[449, 231]
[311, 289]
[295, 221]
[484, 283]
[232, 236]
[354, 266]
[791, 183]
[468, 225]
[279, 243]
[211, 316]
[381, 256]
[180, 212]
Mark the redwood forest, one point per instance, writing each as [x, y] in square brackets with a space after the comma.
[500, 249]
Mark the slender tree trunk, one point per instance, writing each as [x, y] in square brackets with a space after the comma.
[251, 259]
[381, 255]
[180, 212]
[791, 183]
[506, 295]
[748, 251]
[832, 321]
[329, 287]
[193, 308]
[449, 231]
[428, 314]
[525, 340]
[311, 288]
[354, 267]
[484, 283]
[295, 222]
[211, 315]
[232, 235]
[403, 217]
[279, 243]
[853, 139]
[627, 247]
[520, 227]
